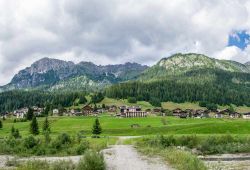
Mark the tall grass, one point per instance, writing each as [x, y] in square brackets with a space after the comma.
[179, 159]
[91, 160]
[205, 145]
[61, 145]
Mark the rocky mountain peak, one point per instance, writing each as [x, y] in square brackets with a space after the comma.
[45, 64]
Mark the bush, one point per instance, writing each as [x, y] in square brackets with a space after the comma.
[189, 141]
[62, 139]
[30, 142]
[132, 100]
[82, 147]
[92, 161]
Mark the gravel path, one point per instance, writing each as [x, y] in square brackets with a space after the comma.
[125, 157]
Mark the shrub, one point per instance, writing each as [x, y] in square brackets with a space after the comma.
[30, 142]
[82, 147]
[132, 100]
[62, 139]
[189, 141]
[92, 161]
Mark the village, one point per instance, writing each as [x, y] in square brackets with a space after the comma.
[127, 112]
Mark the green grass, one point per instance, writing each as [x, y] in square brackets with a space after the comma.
[113, 126]
[186, 105]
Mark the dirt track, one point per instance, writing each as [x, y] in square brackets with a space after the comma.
[125, 157]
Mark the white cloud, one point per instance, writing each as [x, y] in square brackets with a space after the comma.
[234, 53]
[116, 31]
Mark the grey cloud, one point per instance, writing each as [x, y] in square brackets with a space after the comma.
[114, 30]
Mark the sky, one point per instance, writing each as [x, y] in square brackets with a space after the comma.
[119, 31]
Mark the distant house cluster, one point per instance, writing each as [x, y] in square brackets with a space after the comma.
[199, 113]
[20, 113]
[128, 112]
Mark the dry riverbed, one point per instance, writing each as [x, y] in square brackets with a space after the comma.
[227, 161]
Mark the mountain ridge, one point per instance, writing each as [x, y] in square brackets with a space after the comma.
[54, 74]
[48, 72]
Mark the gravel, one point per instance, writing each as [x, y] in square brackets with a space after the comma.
[125, 157]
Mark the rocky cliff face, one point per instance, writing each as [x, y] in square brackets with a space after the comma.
[49, 72]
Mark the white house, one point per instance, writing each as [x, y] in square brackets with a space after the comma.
[21, 112]
[246, 116]
[55, 111]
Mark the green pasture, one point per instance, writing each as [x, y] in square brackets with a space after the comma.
[113, 126]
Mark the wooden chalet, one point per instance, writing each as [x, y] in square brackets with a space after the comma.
[157, 110]
[87, 110]
[112, 108]
[177, 112]
[234, 115]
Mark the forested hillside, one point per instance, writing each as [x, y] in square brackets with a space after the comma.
[211, 85]
[18, 98]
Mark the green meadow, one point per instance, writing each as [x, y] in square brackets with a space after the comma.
[152, 125]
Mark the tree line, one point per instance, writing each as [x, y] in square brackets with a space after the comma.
[217, 87]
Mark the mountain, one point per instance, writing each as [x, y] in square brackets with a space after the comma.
[54, 74]
[181, 63]
[189, 78]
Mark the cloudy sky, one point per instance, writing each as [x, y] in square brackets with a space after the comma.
[117, 31]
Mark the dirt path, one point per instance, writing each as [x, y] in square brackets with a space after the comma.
[125, 157]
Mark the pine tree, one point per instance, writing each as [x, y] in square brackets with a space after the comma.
[95, 108]
[30, 114]
[15, 133]
[46, 127]
[34, 129]
[1, 124]
[97, 130]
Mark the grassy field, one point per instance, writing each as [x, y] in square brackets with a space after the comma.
[113, 126]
